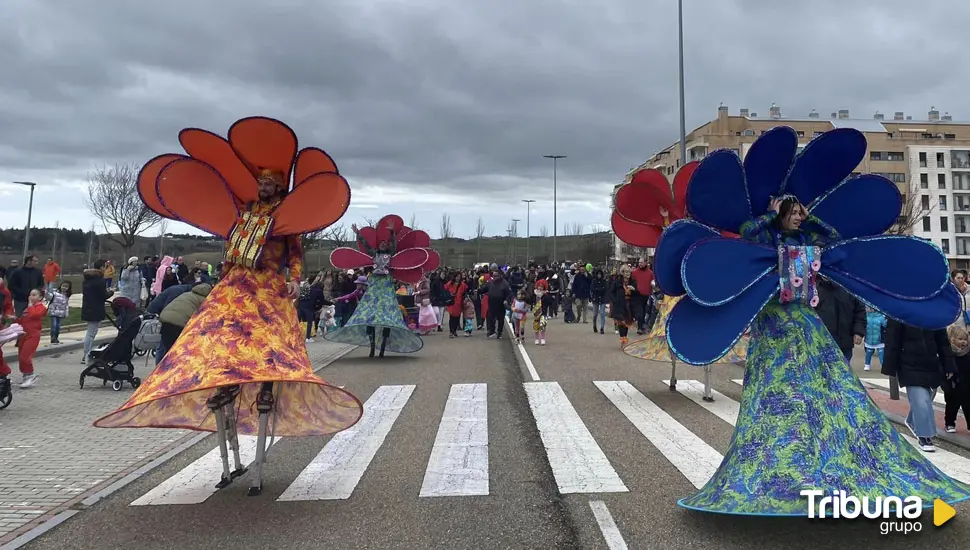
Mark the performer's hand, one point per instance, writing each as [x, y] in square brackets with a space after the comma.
[353, 227]
[857, 339]
[775, 205]
[293, 288]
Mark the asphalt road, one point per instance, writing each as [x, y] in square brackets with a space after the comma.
[593, 478]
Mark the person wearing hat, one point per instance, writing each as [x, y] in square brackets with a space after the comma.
[131, 281]
[358, 292]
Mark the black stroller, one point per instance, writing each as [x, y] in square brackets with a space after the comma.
[111, 362]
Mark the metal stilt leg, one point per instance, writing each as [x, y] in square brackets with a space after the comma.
[673, 373]
[223, 451]
[264, 405]
[233, 434]
[708, 395]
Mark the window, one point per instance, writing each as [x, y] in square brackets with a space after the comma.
[942, 202]
[924, 202]
[944, 223]
[946, 246]
[924, 181]
[949, 136]
[875, 155]
[749, 132]
[926, 224]
[939, 161]
[895, 156]
[800, 133]
[941, 181]
[816, 134]
[922, 160]
[897, 177]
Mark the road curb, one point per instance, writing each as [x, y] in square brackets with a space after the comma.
[189, 441]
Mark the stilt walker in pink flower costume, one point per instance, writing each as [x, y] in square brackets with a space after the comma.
[395, 252]
[643, 209]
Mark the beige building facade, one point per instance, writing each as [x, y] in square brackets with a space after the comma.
[928, 158]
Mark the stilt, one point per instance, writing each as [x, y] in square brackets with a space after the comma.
[373, 339]
[385, 334]
[708, 394]
[233, 433]
[221, 404]
[673, 372]
[264, 405]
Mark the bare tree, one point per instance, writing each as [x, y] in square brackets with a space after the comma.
[544, 232]
[577, 228]
[113, 199]
[57, 230]
[413, 224]
[446, 227]
[479, 235]
[338, 235]
[912, 212]
[162, 231]
[371, 221]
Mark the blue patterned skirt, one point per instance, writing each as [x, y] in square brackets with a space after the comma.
[378, 309]
[807, 422]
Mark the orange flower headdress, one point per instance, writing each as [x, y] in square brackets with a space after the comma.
[644, 207]
[210, 187]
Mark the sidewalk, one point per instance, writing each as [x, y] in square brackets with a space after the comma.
[896, 410]
[70, 341]
[53, 462]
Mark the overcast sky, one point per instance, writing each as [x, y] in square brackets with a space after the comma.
[438, 105]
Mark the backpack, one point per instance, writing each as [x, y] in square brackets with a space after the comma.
[149, 334]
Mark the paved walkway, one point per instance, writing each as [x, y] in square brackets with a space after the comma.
[70, 341]
[52, 458]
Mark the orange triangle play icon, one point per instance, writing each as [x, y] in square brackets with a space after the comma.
[942, 512]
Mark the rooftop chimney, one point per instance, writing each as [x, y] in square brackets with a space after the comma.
[835, 115]
[813, 114]
[909, 118]
[744, 112]
[722, 111]
[878, 116]
[754, 115]
[775, 111]
[933, 114]
[843, 113]
[947, 117]
[898, 115]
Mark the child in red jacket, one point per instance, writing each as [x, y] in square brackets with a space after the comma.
[6, 314]
[32, 320]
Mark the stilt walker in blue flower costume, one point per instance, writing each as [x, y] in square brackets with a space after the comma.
[395, 252]
[805, 420]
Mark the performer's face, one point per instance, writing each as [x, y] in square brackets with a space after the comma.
[268, 189]
[795, 217]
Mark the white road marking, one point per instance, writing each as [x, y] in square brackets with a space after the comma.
[695, 459]
[335, 472]
[611, 533]
[951, 464]
[525, 355]
[197, 482]
[577, 461]
[459, 459]
[883, 383]
[723, 407]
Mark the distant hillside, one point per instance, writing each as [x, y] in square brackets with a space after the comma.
[73, 248]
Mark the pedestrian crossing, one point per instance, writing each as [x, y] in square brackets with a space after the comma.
[458, 462]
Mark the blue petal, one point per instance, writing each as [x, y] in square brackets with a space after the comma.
[673, 245]
[934, 313]
[825, 162]
[897, 265]
[715, 271]
[767, 164]
[840, 206]
[700, 335]
[716, 194]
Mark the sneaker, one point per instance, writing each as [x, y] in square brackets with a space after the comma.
[542, 342]
[911, 429]
[309, 340]
[594, 330]
[601, 331]
[29, 380]
[951, 429]
[490, 336]
[926, 444]
[867, 367]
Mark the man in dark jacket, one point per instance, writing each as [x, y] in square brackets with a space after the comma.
[921, 360]
[581, 283]
[499, 295]
[94, 293]
[22, 281]
[843, 315]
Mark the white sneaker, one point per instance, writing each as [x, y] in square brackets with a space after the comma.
[537, 341]
[951, 429]
[867, 367]
[309, 340]
[29, 380]
[542, 342]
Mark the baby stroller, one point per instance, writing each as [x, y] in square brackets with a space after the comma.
[111, 362]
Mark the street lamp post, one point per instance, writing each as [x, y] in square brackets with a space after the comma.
[30, 211]
[683, 122]
[515, 235]
[528, 229]
[555, 228]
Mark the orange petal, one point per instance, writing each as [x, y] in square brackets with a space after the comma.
[264, 143]
[681, 179]
[312, 161]
[216, 152]
[414, 239]
[383, 233]
[146, 183]
[318, 202]
[198, 196]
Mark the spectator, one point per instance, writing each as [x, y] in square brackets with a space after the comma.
[130, 281]
[52, 272]
[94, 294]
[22, 281]
[177, 314]
[843, 315]
[643, 275]
[109, 273]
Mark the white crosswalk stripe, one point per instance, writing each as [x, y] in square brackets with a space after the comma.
[458, 463]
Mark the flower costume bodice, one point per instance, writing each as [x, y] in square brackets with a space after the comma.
[382, 263]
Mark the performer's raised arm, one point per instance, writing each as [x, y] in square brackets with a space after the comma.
[756, 230]
[830, 233]
[361, 241]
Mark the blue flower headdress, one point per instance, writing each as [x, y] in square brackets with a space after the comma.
[729, 281]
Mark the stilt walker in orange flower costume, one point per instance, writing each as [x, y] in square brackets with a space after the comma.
[643, 209]
[244, 346]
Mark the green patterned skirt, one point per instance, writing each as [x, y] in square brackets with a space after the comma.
[807, 422]
[378, 310]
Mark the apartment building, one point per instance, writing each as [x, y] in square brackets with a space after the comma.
[928, 159]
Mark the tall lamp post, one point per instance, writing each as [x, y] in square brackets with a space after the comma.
[555, 228]
[30, 211]
[515, 235]
[528, 229]
[683, 122]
